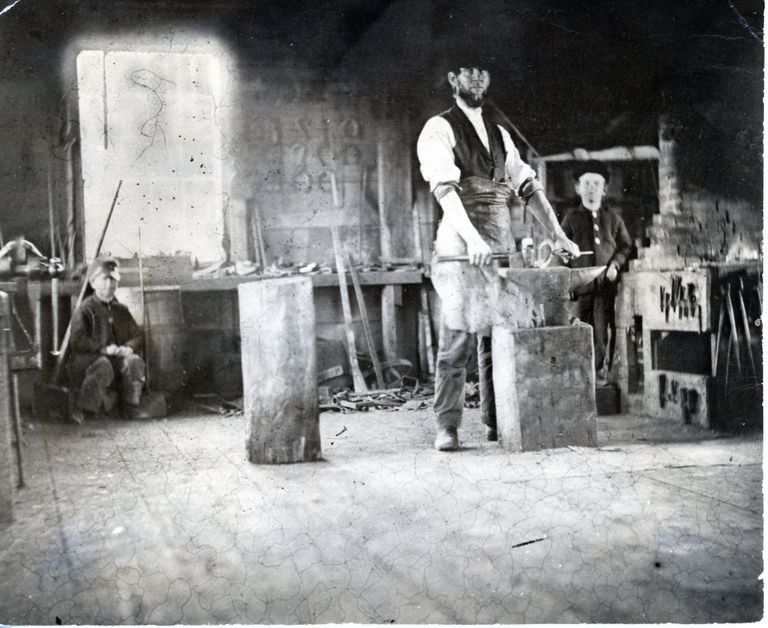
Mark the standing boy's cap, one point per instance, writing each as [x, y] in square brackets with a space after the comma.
[591, 165]
[108, 266]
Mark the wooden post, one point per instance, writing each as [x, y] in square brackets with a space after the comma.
[388, 311]
[277, 326]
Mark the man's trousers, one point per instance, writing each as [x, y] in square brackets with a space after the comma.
[453, 355]
[596, 309]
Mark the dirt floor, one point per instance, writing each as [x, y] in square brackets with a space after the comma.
[164, 522]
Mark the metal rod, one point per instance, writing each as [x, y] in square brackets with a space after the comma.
[735, 333]
[465, 258]
[366, 323]
[55, 314]
[745, 322]
[144, 315]
[716, 352]
[427, 322]
[255, 237]
[53, 263]
[360, 209]
[260, 237]
[51, 221]
[357, 376]
[16, 424]
[17, 430]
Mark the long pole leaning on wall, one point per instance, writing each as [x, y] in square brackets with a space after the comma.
[388, 319]
[65, 341]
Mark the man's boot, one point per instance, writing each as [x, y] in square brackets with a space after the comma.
[447, 438]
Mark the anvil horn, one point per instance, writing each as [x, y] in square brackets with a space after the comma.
[582, 276]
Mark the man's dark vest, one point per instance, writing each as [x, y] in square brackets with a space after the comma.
[472, 158]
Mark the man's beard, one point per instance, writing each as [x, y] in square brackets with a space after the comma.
[471, 98]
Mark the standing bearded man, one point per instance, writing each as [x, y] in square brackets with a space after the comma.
[473, 168]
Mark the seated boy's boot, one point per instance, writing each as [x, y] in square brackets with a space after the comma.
[77, 415]
[132, 393]
[133, 413]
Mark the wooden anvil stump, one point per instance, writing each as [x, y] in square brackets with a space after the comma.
[277, 328]
[544, 383]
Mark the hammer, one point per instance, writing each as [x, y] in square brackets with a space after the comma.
[539, 263]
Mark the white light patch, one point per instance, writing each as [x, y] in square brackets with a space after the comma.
[9, 7]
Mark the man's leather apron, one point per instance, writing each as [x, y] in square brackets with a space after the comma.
[470, 294]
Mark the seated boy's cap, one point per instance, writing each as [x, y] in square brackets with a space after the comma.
[591, 165]
[108, 266]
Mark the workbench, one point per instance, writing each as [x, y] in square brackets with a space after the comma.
[194, 327]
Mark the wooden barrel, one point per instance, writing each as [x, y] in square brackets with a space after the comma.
[165, 334]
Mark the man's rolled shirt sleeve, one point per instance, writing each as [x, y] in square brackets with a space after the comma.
[435, 151]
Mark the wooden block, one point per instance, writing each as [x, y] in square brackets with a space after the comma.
[544, 381]
[607, 400]
[277, 326]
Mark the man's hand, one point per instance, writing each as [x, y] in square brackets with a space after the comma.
[569, 247]
[120, 351]
[124, 351]
[612, 273]
[479, 252]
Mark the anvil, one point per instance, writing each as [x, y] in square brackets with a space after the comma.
[549, 288]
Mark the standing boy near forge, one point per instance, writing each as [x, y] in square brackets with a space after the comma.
[472, 167]
[596, 227]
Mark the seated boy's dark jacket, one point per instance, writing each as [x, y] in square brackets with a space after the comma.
[96, 324]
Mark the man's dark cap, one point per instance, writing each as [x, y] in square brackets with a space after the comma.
[591, 165]
[108, 266]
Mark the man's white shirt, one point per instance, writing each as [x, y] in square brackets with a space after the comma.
[435, 150]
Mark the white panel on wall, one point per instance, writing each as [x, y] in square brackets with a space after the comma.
[149, 118]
